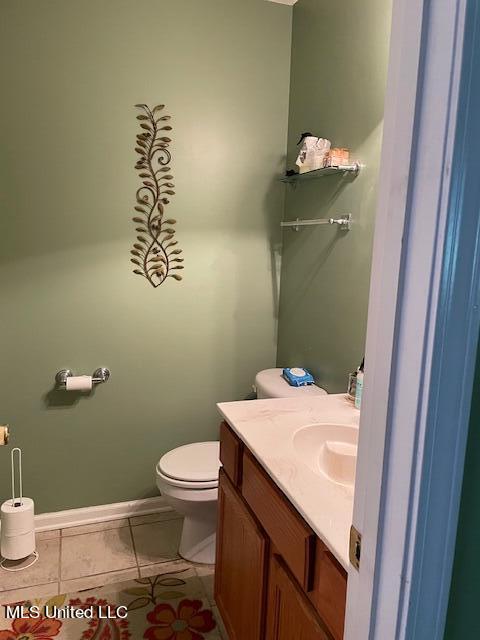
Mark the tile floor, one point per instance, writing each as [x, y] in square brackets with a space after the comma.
[93, 555]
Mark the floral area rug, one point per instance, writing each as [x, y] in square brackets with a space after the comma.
[170, 606]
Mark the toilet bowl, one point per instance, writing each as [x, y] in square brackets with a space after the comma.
[187, 477]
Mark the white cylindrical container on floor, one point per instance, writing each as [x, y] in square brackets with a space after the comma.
[17, 537]
[17, 517]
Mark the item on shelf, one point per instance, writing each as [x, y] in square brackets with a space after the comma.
[313, 153]
[337, 157]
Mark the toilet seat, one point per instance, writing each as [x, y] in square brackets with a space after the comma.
[192, 466]
[185, 484]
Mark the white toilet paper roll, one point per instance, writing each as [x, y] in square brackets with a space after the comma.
[79, 383]
[17, 534]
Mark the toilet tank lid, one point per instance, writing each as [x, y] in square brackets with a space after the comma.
[196, 462]
[270, 383]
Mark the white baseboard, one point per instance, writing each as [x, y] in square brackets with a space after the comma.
[99, 513]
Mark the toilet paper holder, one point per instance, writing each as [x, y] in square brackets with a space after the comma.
[100, 375]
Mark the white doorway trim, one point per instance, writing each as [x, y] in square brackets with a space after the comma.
[414, 186]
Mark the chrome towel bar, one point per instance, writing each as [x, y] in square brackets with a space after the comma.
[345, 222]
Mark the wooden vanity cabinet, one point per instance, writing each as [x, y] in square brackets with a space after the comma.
[289, 614]
[231, 454]
[241, 565]
[274, 578]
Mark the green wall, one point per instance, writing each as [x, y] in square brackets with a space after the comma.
[339, 65]
[71, 72]
[463, 621]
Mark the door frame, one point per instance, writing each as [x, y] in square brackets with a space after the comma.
[423, 327]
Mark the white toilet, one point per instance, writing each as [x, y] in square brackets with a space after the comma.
[187, 477]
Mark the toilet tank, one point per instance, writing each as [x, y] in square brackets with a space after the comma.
[270, 383]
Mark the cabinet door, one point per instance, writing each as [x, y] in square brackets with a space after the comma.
[289, 613]
[240, 566]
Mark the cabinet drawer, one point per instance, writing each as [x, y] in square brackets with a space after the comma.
[231, 449]
[291, 536]
[329, 591]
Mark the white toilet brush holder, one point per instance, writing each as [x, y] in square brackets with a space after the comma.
[17, 535]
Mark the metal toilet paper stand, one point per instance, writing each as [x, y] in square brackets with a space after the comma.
[17, 503]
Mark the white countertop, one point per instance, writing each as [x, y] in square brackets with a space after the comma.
[267, 428]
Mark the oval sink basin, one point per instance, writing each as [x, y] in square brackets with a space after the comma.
[329, 449]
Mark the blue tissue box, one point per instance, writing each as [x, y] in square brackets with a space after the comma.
[297, 377]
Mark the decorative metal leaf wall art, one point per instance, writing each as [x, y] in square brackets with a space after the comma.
[155, 254]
